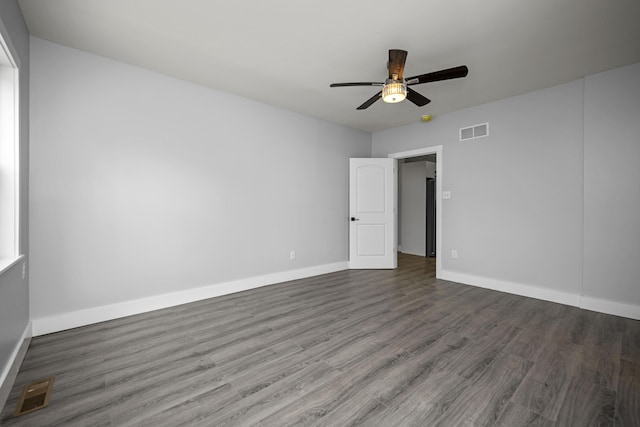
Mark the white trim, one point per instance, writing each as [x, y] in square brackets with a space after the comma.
[7, 45]
[414, 253]
[437, 150]
[16, 167]
[514, 288]
[415, 153]
[10, 147]
[566, 298]
[13, 363]
[6, 265]
[610, 307]
[74, 319]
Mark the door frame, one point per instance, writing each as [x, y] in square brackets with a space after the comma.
[437, 150]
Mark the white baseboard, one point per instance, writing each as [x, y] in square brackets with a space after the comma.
[74, 319]
[513, 288]
[10, 371]
[413, 253]
[587, 303]
[610, 307]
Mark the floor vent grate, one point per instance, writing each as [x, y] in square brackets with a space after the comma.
[34, 396]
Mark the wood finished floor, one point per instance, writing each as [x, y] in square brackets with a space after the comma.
[372, 348]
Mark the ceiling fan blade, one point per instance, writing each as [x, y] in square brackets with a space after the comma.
[370, 101]
[416, 98]
[356, 84]
[396, 62]
[449, 73]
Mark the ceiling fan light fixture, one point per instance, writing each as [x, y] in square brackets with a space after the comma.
[394, 91]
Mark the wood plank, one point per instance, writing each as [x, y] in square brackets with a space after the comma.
[631, 341]
[360, 347]
[587, 404]
[516, 415]
[627, 411]
[256, 406]
[547, 384]
[484, 400]
[421, 405]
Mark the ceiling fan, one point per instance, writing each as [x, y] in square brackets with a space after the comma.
[396, 88]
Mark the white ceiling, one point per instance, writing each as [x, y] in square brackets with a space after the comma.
[287, 52]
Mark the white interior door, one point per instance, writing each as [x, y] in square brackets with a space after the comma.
[372, 213]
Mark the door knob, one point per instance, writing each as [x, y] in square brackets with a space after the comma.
[355, 219]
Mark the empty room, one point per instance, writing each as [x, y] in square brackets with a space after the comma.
[326, 213]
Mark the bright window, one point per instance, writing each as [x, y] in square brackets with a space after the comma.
[9, 158]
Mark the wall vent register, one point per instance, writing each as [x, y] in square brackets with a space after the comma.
[473, 132]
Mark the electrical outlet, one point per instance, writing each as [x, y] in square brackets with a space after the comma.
[24, 270]
[292, 256]
[454, 254]
[446, 195]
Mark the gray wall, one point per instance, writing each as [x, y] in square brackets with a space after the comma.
[515, 212]
[612, 185]
[144, 185]
[14, 291]
[550, 198]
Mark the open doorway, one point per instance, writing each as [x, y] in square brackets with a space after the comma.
[416, 205]
[418, 169]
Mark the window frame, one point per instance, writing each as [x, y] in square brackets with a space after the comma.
[10, 194]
